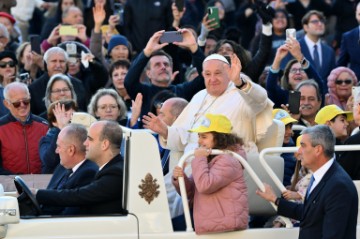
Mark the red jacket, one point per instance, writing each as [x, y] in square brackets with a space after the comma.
[19, 144]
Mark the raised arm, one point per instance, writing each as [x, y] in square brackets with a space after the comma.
[132, 80]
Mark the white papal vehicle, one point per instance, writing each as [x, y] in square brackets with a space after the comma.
[146, 202]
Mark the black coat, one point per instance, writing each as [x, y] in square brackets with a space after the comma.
[102, 196]
[350, 160]
[82, 176]
[37, 92]
[331, 209]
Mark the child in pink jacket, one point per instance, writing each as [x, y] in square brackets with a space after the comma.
[217, 184]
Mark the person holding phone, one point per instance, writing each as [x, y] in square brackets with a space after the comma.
[252, 67]
[71, 29]
[28, 61]
[159, 69]
[279, 23]
[296, 70]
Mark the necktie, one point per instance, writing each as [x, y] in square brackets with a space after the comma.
[64, 179]
[316, 59]
[165, 161]
[312, 179]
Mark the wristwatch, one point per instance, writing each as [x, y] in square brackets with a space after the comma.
[303, 62]
[243, 82]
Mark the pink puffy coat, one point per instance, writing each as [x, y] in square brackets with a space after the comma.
[220, 194]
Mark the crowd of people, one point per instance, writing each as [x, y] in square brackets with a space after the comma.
[106, 58]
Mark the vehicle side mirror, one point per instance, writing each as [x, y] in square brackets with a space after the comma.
[9, 210]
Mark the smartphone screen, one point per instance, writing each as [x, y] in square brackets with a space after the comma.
[171, 36]
[290, 32]
[213, 13]
[294, 102]
[68, 31]
[35, 44]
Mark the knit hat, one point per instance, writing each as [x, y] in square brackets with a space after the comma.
[283, 116]
[217, 57]
[117, 40]
[9, 54]
[214, 123]
[331, 111]
[8, 16]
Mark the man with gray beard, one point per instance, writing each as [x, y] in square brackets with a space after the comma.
[310, 104]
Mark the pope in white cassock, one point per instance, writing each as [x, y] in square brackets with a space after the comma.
[228, 93]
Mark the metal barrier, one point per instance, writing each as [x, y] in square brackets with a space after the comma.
[184, 197]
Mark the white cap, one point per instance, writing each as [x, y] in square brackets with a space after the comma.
[216, 57]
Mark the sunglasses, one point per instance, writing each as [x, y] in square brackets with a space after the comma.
[340, 82]
[17, 104]
[315, 22]
[9, 63]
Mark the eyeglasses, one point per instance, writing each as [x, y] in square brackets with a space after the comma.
[105, 107]
[58, 91]
[295, 70]
[3, 64]
[17, 104]
[340, 82]
[315, 22]
[280, 17]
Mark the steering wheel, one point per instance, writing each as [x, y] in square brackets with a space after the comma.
[24, 192]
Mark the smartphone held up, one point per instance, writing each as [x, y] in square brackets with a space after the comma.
[171, 36]
[213, 14]
[290, 32]
[294, 102]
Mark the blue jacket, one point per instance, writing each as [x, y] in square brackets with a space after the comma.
[328, 60]
[350, 51]
[279, 95]
[331, 209]
[82, 176]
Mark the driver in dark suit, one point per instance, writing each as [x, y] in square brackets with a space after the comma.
[74, 170]
[104, 194]
[331, 202]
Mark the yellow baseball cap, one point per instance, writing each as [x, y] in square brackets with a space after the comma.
[283, 116]
[298, 140]
[214, 123]
[331, 111]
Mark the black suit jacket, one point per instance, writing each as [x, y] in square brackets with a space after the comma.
[350, 51]
[330, 210]
[82, 176]
[101, 196]
[37, 92]
[350, 160]
[328, 60]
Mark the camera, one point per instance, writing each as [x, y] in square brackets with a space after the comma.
[24, 78]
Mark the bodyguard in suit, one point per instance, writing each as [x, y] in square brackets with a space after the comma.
[104, 194]
[350, 160]
[74, 170]
[331, 202]
[350, 47]
[319, 54]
